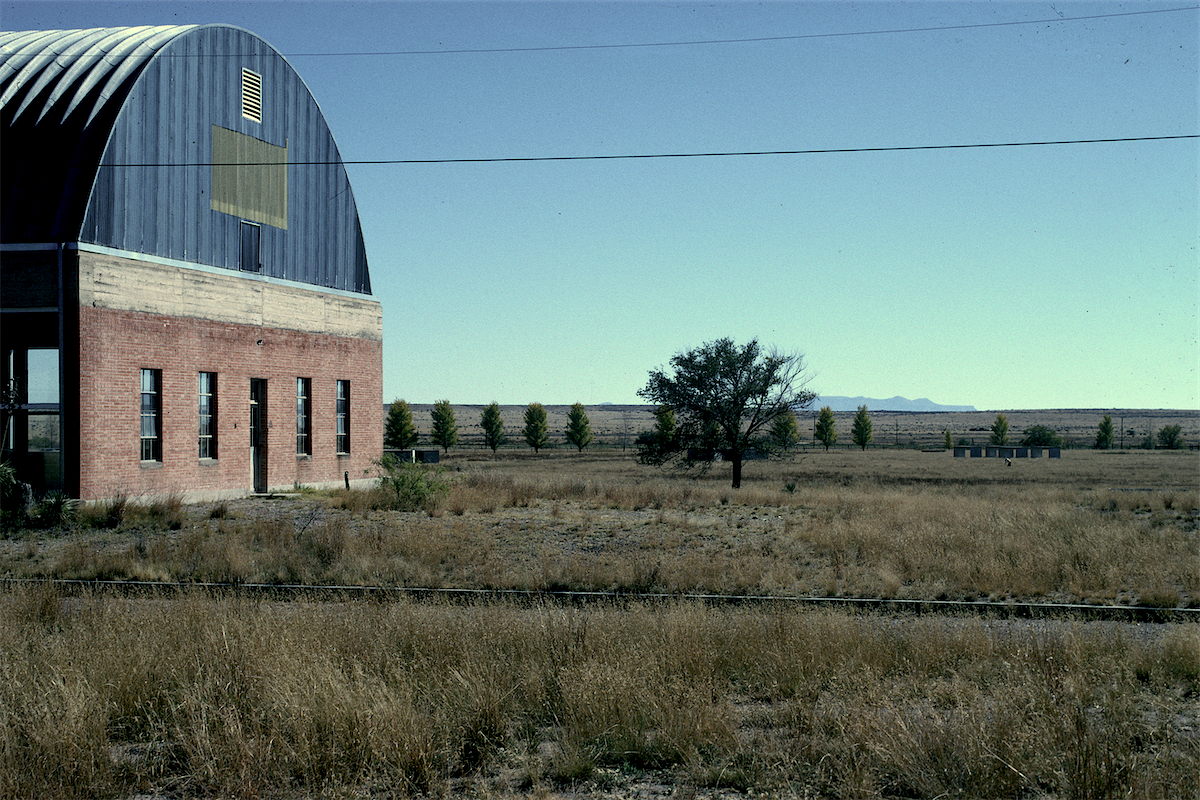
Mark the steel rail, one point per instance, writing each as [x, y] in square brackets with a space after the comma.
[334, 593]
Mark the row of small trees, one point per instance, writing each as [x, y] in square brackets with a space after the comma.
[785, 432]
[783, 435]
[1170, 437]
[400, 433]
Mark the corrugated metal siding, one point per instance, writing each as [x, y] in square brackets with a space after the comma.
[164, 113]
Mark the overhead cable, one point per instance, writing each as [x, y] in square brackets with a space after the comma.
[894, 149]
[793, 37]
[696, 42]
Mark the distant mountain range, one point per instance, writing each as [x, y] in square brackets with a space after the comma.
[891, 404]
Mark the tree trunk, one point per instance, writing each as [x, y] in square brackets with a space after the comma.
[736, 458]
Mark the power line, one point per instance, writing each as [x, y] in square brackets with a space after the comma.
[795, 37]
[893, 149]
[748, 40]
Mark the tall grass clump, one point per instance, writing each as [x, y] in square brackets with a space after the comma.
[108, 513]
[166, 512]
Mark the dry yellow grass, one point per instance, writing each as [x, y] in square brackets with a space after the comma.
[208, 697]
[1090, 527]
[225, 698]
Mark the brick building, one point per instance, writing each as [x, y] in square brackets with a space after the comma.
[185, 304]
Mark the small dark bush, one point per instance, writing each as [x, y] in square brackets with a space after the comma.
[55, 509]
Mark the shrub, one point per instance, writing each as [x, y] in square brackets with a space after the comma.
[55, 509]
[14, 498]
[108, 514]
[167, 511]
[1171, 437]
[411, 487]
[1041, 436]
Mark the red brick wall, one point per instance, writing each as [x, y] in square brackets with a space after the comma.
[114, 346]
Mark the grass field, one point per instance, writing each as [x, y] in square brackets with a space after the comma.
[215, 697]
[1093, 527]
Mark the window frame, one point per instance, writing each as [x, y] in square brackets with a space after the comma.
[342, 411]
[207, 416]
[304, 418]
[151, 416]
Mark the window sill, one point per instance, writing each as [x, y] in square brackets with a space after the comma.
[151, 464]
[303, 457]
[343, 455]
[209, 462]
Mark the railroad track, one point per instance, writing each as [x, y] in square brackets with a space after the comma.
[294, 592]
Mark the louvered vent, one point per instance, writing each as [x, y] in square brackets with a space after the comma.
[251, 95]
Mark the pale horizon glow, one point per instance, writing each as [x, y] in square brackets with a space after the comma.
[1057, 276]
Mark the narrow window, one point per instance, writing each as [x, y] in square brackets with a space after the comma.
[151, 415]
[208, 415]
[343, 417]
[304, 416]
[251, 95]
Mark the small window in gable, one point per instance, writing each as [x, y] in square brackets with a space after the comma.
[251, 95]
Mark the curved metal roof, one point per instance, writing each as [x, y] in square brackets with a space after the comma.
[108, 139]
[35, 60]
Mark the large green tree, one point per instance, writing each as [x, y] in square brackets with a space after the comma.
[399, 432]
[493, 427]
[860, 432]
[536, 431]
[579, 428]
[1105, 433]
[1000, 430]
[826, 427]
[445, 429]
[725, 398]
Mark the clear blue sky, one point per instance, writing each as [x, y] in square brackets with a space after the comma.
[1004, 278]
